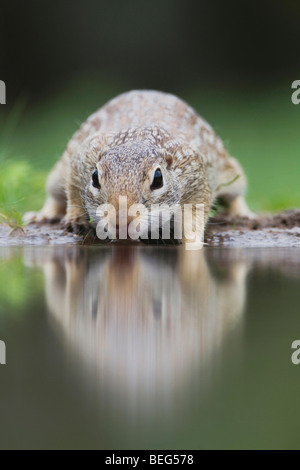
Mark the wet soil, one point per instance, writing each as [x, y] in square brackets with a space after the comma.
[273, 230]
[277, 230]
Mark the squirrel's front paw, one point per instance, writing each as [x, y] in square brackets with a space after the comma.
[78, 226]
[40, 218]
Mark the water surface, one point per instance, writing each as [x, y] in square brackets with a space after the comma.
[149, 347]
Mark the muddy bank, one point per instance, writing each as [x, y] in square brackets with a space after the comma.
[34, 234]
[278, 230]
[283, 220]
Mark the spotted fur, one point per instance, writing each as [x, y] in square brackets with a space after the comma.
[125, 140]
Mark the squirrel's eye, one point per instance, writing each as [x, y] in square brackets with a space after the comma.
[95, 179]
[157, 180]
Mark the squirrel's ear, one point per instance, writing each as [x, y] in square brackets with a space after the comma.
[176, 152]
[169, 160]
[99, 143]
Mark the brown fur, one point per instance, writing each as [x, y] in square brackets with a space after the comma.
[125, 140]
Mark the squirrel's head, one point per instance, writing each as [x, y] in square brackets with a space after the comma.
[138, 170]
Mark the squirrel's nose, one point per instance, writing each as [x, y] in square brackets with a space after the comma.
[130, 218]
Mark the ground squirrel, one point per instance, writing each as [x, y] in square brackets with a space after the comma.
[149, 146]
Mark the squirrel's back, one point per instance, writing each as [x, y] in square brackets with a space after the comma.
[146, 109]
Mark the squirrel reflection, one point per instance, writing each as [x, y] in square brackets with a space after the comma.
[145, 319]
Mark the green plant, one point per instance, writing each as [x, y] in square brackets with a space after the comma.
[21, 189]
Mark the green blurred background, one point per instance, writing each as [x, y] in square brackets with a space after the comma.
[233, 62]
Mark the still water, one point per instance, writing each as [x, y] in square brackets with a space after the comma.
[149, 347]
